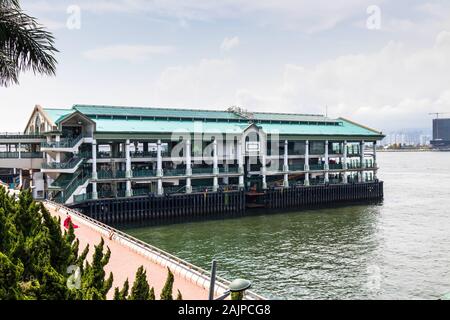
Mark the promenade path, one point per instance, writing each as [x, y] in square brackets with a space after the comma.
[124, 262]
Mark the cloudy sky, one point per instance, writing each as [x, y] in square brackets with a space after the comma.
[385, 63]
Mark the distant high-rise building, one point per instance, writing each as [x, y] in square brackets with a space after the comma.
[441, 134]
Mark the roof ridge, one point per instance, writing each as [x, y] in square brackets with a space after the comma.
[134, 107]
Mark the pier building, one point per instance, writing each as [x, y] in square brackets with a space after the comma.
[105, 159]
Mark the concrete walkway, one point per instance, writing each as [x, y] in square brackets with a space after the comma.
[124, 262]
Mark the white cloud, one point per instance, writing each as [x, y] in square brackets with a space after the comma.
[393, 87]
[131, 53]
[229, 43]
[211, 83]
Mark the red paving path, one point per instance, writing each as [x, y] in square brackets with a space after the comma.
[124, 262]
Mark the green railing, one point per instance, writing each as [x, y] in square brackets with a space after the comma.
[63, 181]
[18, 135]
[297, 167]
[82, 197]
[354, 165]
[335, 166]
[316, 167]
[174, 172]
[229, 170]
[202, 170]
[103, 174]
[144, 173]
[22, 155]
[64, 143]
[72, 163]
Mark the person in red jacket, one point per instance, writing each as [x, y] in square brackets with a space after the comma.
[67, 223]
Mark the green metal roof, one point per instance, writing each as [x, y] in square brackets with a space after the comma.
[163, 120]
[57, 115]
[154, 112]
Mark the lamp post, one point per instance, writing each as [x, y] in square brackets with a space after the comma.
[236, 288]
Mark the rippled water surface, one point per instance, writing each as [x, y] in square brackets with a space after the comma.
[399, 249]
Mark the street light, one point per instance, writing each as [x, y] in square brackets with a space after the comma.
[236, 288]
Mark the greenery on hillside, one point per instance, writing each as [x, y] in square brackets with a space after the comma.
[36, 255]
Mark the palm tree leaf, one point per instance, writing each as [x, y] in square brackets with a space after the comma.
[25, 42]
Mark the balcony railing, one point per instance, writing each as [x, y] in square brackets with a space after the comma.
[19, 135]
[22, 155]
[72, 163]
[103, 174]
[174, 172]
[202, 170]
[335, 166]
[229, 170]
[64, 143]
[316, 167]
[297, 167]
[144, 173]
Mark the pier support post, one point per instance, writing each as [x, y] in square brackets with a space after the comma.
[188, 167]
[307, 163]
[327, 164]
[159, 171]
[286, 165]
[240, 163]
[215, 166]
[344, 163]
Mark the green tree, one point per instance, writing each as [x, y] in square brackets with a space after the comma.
[122, 294]
[140, 289]
[94, 286]
[24, 44]
[166, 293]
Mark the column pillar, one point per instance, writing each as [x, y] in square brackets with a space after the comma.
[226, 179]
[20, 150]
[286, 165]
[327, 163]
[188, 167]
[215, 167]
[375, 166]
[159, 171]
[344, 163]
[94, 169]
[20, 179]
[128, 173]
[361, 161]
[240, 163]
[307, 163]
[263, 171]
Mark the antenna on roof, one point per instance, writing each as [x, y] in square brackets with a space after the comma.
[326, 111]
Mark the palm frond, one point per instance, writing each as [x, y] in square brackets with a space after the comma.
[25, 43]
